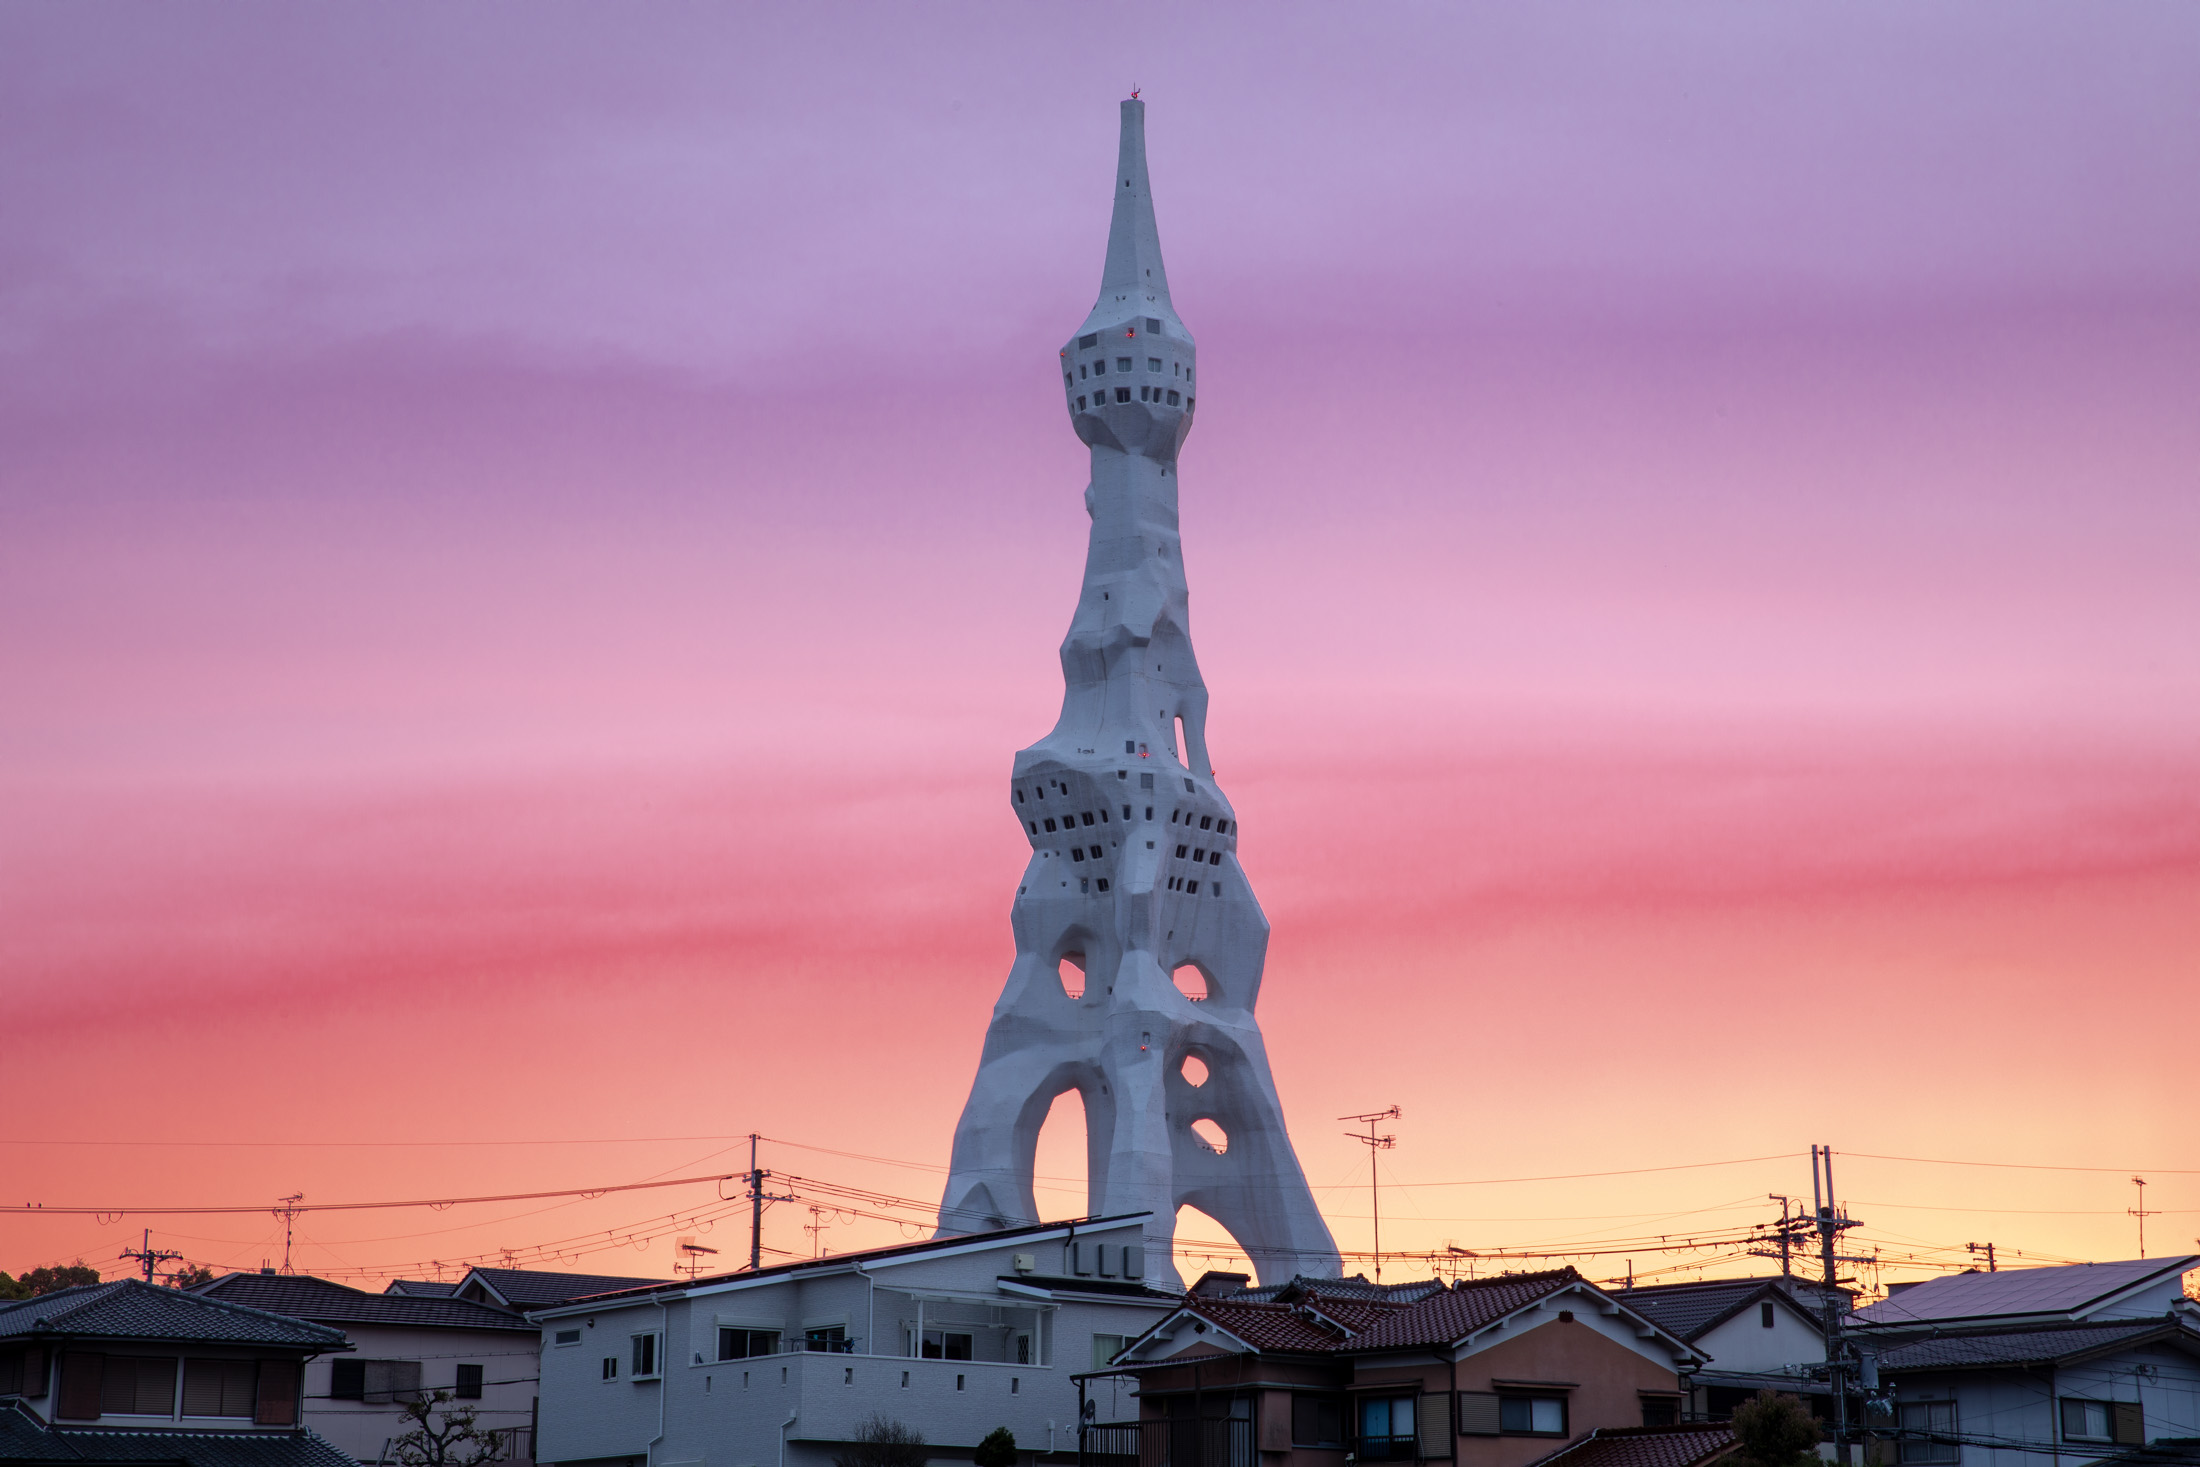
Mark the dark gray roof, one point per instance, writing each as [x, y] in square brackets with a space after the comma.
[424, 1288]
[128, 1309]
[1690, 1445]
[529, 1288]
[1689, 1309]
[306, 1297]
[2032, 1346]
[26, 1440]
[2163, 1451]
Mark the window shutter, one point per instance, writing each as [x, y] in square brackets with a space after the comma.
[375, 1387]
[34, 1372]
[2127, 1423]
[347, 1379]
[1478, 1413]
[405, 1379]
[278, 1399]
[81, 1377]
[1134, 1262]
[1435, 1425]
[1275, 1421]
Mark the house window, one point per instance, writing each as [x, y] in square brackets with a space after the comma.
[1106, 1348]
[745, 1344]
[643, 1357]
[1661, 1410]
[469, 1383]
[568, 1337]
[138, 1385]
[1317, 1421]
[943, 1345]
[1122, 364]
[1927, 1431]
[1531, 1415]
[610, 1367]
[2103, 1421]
[1023, 1349]
[1764, 1314]
[1386, 1428]
[220, 1387]
[829, 1339]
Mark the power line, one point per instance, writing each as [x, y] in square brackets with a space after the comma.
[2029, 1166]
[34, 1209]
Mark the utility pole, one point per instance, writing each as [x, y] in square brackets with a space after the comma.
[1789, 1225]
[149, 1256]
[1375, 1143]
[757, 1198]
[2142, 1213]
[1988, 1250]
[288, 1212]
[1832, 1222]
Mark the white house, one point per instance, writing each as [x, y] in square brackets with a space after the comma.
[2005, 1369]
[1761, 1334]
[401, 1346]
[777, 1368]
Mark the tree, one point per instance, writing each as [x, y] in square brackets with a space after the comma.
[997, 1450]
[1775, 1431]
[881, 1441]
[48, 1280]
[445, 1436]
[190, 1276]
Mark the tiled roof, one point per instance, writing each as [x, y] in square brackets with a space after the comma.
[1356, 1287]
[530, 1288]
[2069, 1290]
[128, 1309]
[1462, 1309]
[420, 1288]
[25, 1440]
[306, 1297]
[1267, 1326]
[1688, 1445]
[1689, 1309]
[2030, 1346]
[2163, 1451]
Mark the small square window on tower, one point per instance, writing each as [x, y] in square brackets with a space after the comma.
[1153, 364]
[1122, 394]
[1174, 398]
[1122, 364]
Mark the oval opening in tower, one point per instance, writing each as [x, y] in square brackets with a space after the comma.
[1211, 1135]
[1191, 982]
[1194, 1070]
[1072, 970]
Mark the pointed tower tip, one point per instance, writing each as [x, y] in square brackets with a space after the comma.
[1134, 270]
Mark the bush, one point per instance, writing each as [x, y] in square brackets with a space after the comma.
[1775, 1431]
[881, 1441]
[997, 1450]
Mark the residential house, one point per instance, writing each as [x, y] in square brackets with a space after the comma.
[2076, 1363]
[1482, 1373]
[1760, 1333]
[127, 1372]
[779, 1367]
[485, 1356]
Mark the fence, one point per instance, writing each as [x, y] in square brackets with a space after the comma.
[1213, 1442]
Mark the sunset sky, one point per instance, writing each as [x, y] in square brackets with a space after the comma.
[530, 534]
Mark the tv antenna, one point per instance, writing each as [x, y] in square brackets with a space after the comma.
[2142, 1212]
[1375, 1143]
[288, 1212]
[691, 1254]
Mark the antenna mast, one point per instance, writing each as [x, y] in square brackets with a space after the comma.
[1375, 1143]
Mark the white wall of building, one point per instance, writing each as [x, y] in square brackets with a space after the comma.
[1744, 1343]
[362, 1429]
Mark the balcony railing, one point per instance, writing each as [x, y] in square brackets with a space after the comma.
[1213, 1442]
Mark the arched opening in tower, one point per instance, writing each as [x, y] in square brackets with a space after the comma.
[1072, 971]
[1203, 1244]
[1194, 1069]
[1211, 1135]
[1058, 1172]
[1191, 981]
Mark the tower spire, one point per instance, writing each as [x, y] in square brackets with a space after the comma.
[1133, 278]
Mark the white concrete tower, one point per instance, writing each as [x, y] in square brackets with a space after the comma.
[1134, 883]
